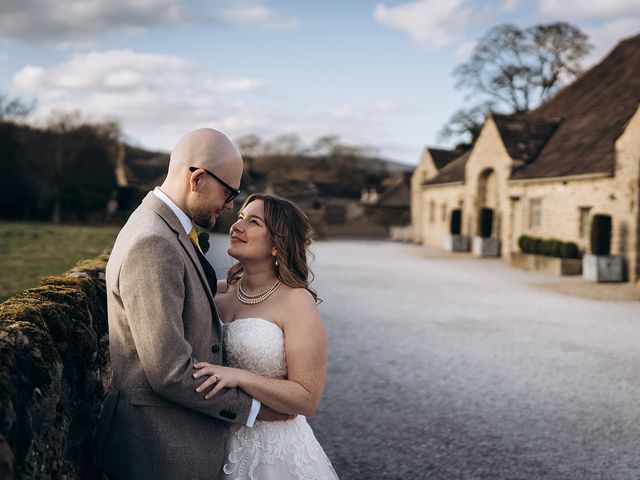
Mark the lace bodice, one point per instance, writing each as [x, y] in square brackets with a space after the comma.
[285, 450]
[256, 345]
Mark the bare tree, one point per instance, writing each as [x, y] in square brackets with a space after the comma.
[514, 70]
[14, 107]
[82, 166]
[518, 68]
[332, 145]
[465, 124]
[249, 145]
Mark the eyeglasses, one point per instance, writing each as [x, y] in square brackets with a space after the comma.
[233, 192]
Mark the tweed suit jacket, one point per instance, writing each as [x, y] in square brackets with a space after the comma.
[162, 320]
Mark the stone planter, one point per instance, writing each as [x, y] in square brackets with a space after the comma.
[486, 247]
[542, 263]
[603, 268]
[456, 243]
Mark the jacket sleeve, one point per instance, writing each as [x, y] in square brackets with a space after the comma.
[152, 289]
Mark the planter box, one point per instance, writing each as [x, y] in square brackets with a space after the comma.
[542, 263]
[603, 268]
[457, 243]
[486, 247]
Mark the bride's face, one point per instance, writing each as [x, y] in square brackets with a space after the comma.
[248, 236]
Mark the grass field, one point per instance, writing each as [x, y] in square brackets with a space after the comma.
[30, 251]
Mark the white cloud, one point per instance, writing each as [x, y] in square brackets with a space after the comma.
[508, 5]
[246, 14]
[157, 98]
[231, 85]
[147, 92]
[580, 9]
[83, 23]
[465, 49]
[103, 71]
[606, 36]
[430, 23]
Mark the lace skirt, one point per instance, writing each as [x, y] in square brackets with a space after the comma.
[276, 451]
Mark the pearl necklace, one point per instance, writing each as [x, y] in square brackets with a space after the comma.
[247, 299]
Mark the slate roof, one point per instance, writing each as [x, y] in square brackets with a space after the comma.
[453, 172]
[443, 157]
[574, 132]
[523, 138]
[592, 113]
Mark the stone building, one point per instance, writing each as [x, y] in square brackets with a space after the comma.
[547, 172]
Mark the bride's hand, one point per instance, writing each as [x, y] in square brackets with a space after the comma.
[221, 377]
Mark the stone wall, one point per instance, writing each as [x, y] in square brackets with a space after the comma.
[438, 201]
[54, 371]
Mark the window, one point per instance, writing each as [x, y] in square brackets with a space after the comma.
[443, 213]
[432, 211]
[585, 213]
[535, 213]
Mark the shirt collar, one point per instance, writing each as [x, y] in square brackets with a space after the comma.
[184, 220]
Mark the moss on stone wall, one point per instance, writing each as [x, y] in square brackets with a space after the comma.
[54, 371]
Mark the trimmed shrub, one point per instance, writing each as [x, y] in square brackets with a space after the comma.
[455, 227]
[536, 246]
[601, 234]
[554, 248]
[570, 250]
[485, 222]
[549, 247]
[524, 242]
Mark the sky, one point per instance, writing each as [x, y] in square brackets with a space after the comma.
[375, 73]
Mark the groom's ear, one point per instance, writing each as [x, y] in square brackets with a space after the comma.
[194, 179]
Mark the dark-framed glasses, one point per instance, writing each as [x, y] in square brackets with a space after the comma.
[232, 192]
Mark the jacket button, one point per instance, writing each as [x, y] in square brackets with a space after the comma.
[215, 348]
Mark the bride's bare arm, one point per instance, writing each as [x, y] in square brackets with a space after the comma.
[306, 354]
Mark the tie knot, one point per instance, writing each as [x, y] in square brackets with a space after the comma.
[193, 235]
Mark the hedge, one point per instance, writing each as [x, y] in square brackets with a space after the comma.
[548, 247]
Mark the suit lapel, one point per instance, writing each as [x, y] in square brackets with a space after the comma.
[160, 208]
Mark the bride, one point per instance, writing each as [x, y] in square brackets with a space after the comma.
[275, 343]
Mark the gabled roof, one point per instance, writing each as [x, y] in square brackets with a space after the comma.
[398, 195]
[592, 113]
[453, 172]
[523, 138]
[442, 157]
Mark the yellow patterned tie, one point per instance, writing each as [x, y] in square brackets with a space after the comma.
[193, 235]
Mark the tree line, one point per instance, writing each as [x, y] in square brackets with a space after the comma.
[62, 172]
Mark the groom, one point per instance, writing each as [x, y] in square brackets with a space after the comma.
[162, 320]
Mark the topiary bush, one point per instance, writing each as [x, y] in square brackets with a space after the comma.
[569, 250]
[601, 234]
[549, 247]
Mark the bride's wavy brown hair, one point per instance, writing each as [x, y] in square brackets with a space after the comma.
[289, 231]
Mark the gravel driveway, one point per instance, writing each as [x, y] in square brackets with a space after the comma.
[463, 368]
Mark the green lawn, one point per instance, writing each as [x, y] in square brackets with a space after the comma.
[30, 251]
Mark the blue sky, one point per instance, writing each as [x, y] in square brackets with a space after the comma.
[373, 72]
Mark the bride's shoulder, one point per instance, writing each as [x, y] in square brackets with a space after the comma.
[299, 299]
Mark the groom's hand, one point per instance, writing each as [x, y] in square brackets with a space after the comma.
[270, 415]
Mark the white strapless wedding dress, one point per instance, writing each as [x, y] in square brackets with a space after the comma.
[284, 450]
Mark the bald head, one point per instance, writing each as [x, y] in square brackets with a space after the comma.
[206, 148]
[196, 192]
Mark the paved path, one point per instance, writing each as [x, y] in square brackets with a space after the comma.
[459, 368]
